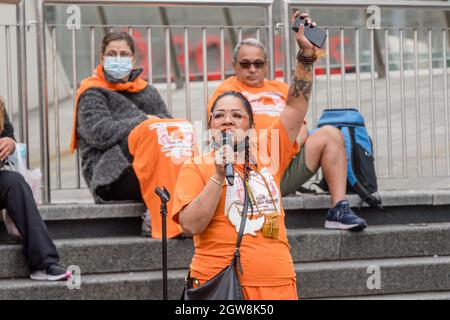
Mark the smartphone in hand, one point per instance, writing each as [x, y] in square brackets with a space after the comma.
[315, 35]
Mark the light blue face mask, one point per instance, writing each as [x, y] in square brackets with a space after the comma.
[118, 67]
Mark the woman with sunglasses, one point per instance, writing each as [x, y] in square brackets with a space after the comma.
[210, 209]
[250, 62]
[126, 136]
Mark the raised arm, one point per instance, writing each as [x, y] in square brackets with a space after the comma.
[299, 93]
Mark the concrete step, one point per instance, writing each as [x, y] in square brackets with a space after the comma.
[315, 280]
[393, 198]
[90, 211]
[401, 207]
[102, 240]
[112, 286]
[354, 278]
[299, 201]
[85, 220]
[72, 220]
[375, 242]
[437, 295]
[122, 254]
[104, 255]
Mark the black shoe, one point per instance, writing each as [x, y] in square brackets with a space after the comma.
[341, 217]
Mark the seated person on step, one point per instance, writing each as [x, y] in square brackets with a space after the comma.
[23, 215]
[128, 141]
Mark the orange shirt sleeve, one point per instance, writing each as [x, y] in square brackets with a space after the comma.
[189, 185]
[288, 149]
[279, 147]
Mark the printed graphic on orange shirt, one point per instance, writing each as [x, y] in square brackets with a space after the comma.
[176, 138]
[261, 201]
[266, 102]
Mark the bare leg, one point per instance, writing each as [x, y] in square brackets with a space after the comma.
[326, 148]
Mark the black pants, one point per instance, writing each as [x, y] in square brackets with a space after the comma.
[16, 196]
[126, 188]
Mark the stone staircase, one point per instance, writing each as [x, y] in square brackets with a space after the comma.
[408, 246]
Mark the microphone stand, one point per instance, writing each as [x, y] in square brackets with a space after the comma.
[164, 195]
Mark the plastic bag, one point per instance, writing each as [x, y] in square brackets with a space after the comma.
[17, 162]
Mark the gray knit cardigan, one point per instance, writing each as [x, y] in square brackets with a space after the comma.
[104, 120]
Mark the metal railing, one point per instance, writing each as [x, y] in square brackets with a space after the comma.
[401, 106]
[20, 102]
[400, 97]
[149, 29]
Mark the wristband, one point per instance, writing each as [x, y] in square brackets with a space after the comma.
[306, 60]
[216, 182]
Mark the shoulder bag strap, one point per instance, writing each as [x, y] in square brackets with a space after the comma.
[236, 258]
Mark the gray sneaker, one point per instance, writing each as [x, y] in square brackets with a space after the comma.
[53, 272]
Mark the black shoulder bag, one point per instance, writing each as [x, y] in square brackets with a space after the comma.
[225, 285]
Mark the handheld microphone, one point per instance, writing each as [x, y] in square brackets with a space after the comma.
[229, 170]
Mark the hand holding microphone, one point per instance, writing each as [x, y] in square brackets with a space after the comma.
[224, 159]
[229, 171]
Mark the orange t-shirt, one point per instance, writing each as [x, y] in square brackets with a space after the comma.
[160, 147]
[267, 101]
[265, 261]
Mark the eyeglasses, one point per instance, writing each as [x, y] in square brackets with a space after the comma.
[123, 54]
[235, 115]
[247, 64]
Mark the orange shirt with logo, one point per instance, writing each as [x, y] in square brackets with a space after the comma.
[267, 101]
[265, 261]
[160, 147]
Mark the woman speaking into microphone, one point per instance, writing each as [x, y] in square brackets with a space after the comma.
[210, 209]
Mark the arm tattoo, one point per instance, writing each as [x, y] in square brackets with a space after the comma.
[308, 68]
[301, 86]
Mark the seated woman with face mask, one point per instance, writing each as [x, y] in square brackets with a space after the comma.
[128, 141]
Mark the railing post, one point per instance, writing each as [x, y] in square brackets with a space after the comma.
[22, 72]
[286, 41]
[43, 101]
[173, 54]
[270, 42]
[43, 88]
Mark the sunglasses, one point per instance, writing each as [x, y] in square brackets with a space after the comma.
[235, 115]
[258, 64]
